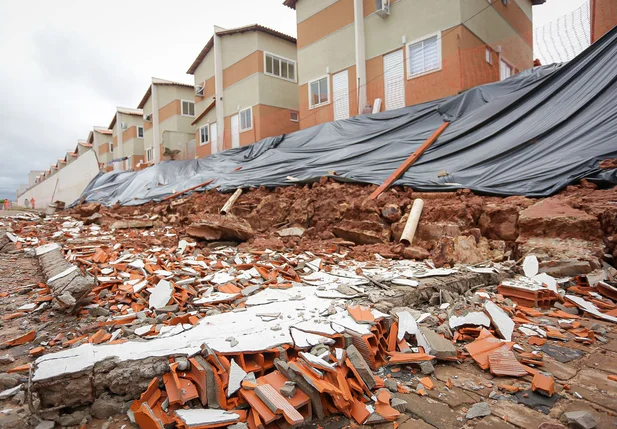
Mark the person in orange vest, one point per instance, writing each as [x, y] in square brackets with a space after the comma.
[32, 202]
[6, 204]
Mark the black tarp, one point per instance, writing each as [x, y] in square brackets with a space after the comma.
[532, 134]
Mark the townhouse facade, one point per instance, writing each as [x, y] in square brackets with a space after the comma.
[168, 112]
[245, 88]
[127, 128]
[362, 56]
[101, 140]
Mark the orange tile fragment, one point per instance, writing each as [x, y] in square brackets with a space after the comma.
[427, 382]
[26, 338]
[361, 314]
[612, 377]
[449, 384]
[20, 368]
[536, 341]
[543, 383]
[36, 351]
[483, 346]
[98, 337]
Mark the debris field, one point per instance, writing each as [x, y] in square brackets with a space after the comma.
[299, 306]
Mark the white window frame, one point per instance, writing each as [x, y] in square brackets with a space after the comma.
[507, 63]
[240, 129]
[488, 55]
[137, 131]
[295, 79]
[207, 126]
[291, 112]
[182, 108]
[408, 57]
[150, 151]
[325, 103]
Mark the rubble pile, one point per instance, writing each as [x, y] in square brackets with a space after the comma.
[169, 322]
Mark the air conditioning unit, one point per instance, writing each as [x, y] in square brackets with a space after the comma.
[123, 125]
[199, 90]
[382, 8]
[148, 117]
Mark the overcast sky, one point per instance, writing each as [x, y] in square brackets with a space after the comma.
[66, 64]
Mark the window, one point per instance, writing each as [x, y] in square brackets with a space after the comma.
[294, 116]
[505, 70]
[319, 92]
[280, 67]
[424, 56]
[489, 57]
[203, 135]
[188, 108]
[140, 132]
[149, 154]
[111, 147]
[246, 119]
[213, 132]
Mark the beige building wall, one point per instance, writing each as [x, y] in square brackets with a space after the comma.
[336, 52]
[409, 19]
[238, 46]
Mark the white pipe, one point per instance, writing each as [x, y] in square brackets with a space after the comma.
[156, 128]
[412, 222]
[218, 85]
[230, 202]
[360, 53]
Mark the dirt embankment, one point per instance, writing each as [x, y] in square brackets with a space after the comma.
[580, 223]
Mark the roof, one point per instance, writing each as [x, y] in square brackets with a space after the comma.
[205, 112]
[290, 3]
[103, 130]
[157, 81]
[126, 111]
[254, 27]
[84, 143]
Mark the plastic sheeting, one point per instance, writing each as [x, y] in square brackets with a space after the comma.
[532, 134]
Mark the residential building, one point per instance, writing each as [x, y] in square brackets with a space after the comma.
[32, 176]
[246, 88]
[603, 17]
[101, 140]
[357, 56]
[128, 138]
[168, 111]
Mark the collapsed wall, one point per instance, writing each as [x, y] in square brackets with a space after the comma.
[571, 230]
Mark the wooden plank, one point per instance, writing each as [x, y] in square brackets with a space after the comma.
[409, 161]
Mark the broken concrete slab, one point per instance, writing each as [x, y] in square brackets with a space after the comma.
[133, 223]
[434, 413]
[437, 345]
[501, 321]
[64, 279]
[362, 232]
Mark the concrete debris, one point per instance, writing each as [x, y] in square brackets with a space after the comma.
[580, 420]
[298, 323]
[479, 409]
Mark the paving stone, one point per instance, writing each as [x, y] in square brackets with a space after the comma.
[561, 371]
[454, 397]
[580, 419]
[610, 346]
[561, 354]
[415, 424]
[491, 422]
[431, 412]
[603, 361]
[594, 386]
[480, 409]
[462, 379]
[519, 415]
[604, 419]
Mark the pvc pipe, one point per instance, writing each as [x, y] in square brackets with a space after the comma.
[412, 222]
[230, 202]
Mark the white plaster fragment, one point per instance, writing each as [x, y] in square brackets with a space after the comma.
[502, 322]
[161, 294]
[530, 266]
